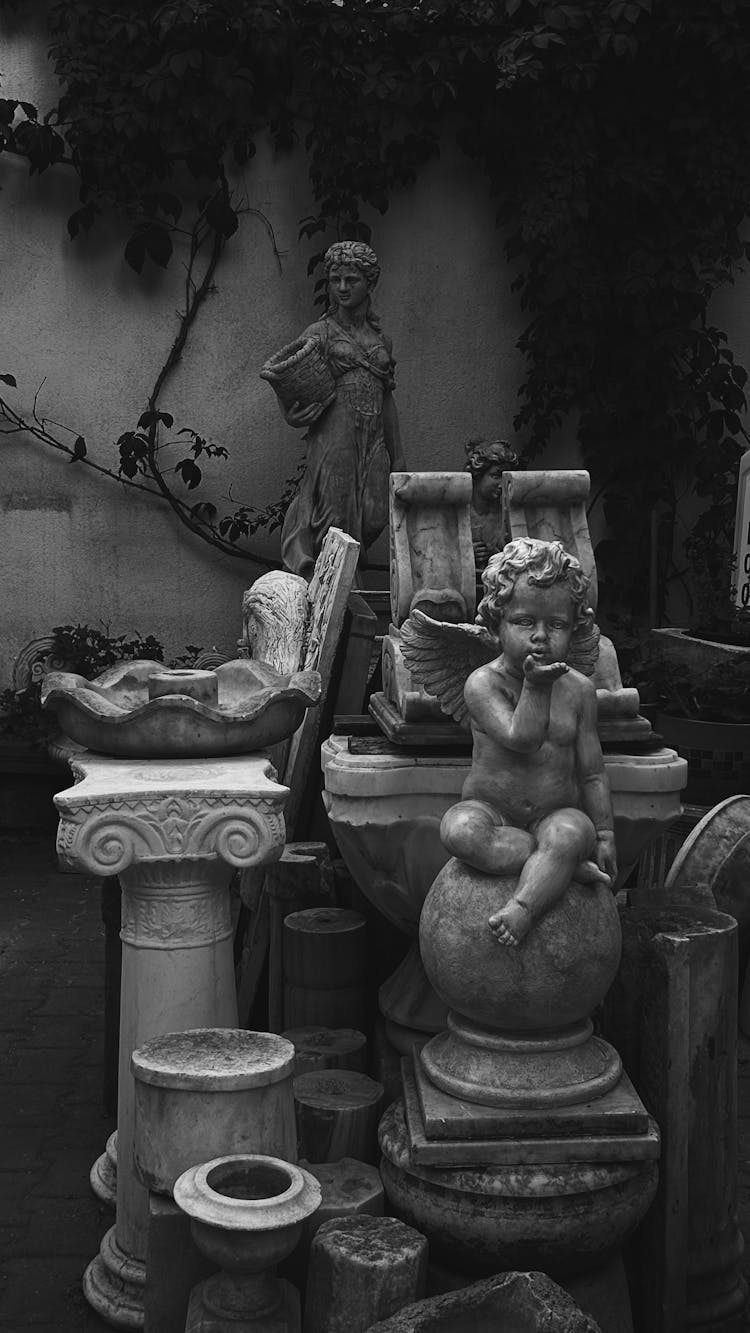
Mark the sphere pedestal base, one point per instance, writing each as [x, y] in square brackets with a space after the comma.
[113, 1284]
[535, 1071]
[562, 1218]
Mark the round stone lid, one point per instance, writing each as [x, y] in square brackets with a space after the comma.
[214, 1060]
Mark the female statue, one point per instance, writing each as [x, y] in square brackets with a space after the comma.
[353, 443]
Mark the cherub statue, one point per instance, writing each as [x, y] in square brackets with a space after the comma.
[536, 802]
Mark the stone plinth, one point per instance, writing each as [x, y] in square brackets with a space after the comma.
[171, 830]
[385, 807]
[561, 1216]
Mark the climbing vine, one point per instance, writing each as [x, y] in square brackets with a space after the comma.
[616, 139]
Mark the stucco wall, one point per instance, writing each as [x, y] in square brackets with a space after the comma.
[88, 335]
[79, 323]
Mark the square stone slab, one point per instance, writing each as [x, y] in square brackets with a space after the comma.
[631, 1136]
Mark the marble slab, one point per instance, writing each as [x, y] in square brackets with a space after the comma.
[523, 1148]
[620, 1111]
[425, 735]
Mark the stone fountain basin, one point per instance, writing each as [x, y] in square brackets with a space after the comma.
[144, 710]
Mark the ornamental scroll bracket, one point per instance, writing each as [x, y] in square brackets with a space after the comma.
[105, 840]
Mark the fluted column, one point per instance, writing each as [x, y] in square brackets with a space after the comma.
[171, 829]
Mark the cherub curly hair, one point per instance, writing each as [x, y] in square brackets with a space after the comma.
[545, 563]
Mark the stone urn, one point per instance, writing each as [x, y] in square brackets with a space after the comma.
[519, 1032]
[246, 1215]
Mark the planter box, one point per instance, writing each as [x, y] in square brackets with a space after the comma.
[718, 756]
[695, 656]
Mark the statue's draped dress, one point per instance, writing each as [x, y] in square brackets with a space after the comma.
[345, 484]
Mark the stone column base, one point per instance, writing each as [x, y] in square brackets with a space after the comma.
[562, 1068]
[113, 1284]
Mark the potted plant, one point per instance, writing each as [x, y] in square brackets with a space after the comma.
[29, 774]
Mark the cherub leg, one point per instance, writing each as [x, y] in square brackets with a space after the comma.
[476, 833]
[565, 840]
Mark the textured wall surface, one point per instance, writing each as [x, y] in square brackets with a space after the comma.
[77, 322]
[77, 547]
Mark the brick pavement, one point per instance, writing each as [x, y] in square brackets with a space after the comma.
[52, 1125]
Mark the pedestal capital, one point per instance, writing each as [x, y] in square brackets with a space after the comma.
[123, 811]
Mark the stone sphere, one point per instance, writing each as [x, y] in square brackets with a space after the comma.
[554, 978]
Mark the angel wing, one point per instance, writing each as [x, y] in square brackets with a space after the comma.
[584, 650]
[441, 657]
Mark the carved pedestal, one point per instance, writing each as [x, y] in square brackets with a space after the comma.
[170, 830]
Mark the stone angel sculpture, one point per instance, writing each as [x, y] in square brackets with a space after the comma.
[536, 802]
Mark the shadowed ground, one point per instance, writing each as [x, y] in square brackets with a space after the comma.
[52, 1125]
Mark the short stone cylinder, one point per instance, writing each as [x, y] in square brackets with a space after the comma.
[325, 967]
[208, 1093]
[318, 1048]
[362, 1269]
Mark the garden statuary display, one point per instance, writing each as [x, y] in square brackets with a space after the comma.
[486, 460]
[336, 380]
[386, 801]
[520, 1141]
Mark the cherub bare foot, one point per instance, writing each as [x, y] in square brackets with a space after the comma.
[588, 872]
[511, 924]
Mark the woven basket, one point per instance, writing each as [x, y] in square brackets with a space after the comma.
[299, 373]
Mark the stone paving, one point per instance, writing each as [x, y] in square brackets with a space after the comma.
[52, 1125]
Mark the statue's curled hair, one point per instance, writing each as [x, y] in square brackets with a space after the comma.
[359, 256]
[483, 454]
[356, 253]
[545, 563]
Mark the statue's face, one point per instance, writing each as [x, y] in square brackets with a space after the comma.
[537, 622]
[489, 487]
[347, 286]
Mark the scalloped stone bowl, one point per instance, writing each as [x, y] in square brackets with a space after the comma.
[144, 710]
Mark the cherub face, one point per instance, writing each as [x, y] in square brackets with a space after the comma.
[489, 486]
[537, 622]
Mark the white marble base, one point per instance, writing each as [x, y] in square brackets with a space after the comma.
[171, 830]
